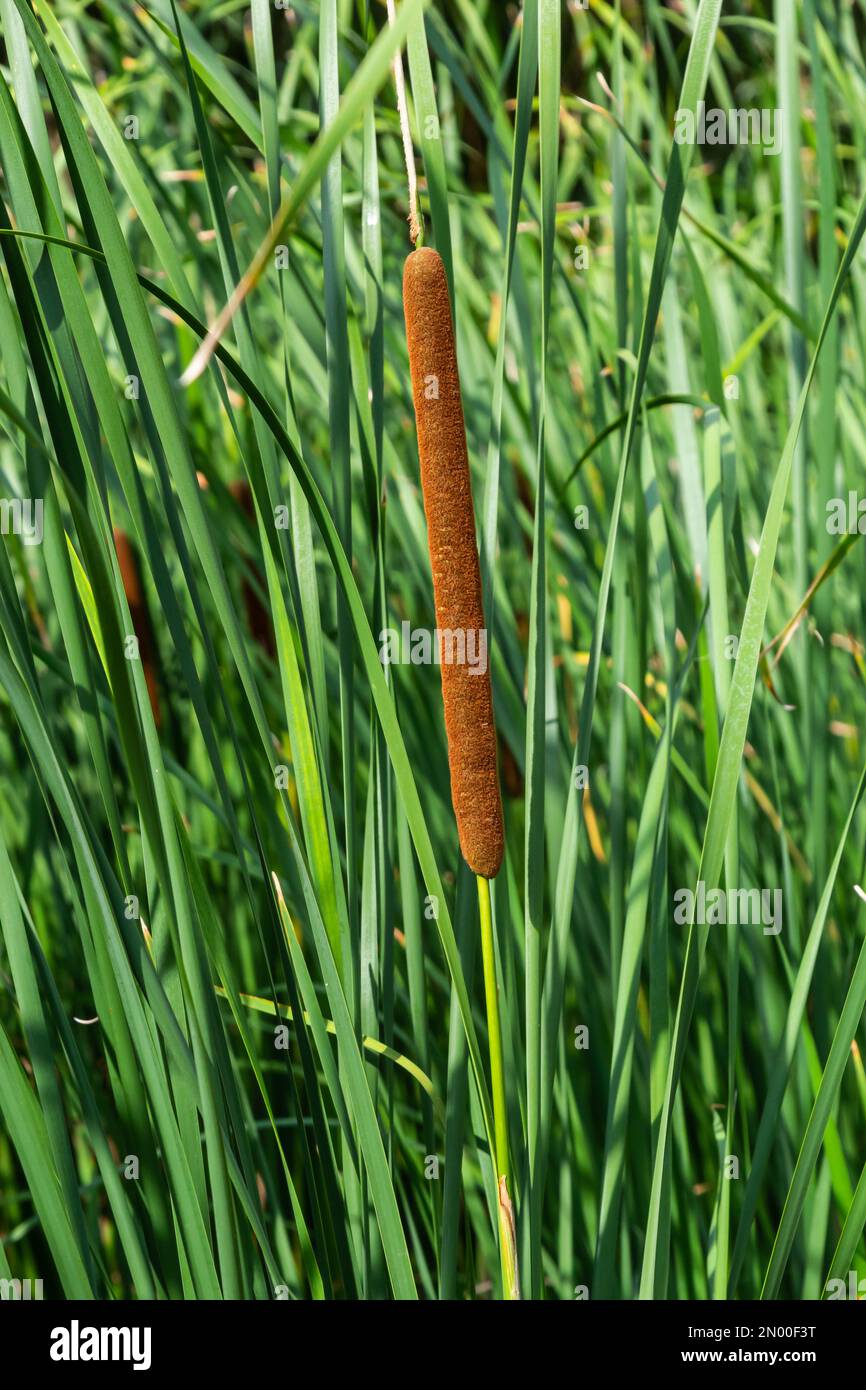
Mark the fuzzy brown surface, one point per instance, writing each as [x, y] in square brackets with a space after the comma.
[445, 482]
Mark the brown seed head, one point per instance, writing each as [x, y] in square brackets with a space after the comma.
[466, 691]
[258, 617]
[127, 561]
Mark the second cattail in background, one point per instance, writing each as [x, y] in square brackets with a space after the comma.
[130, 575]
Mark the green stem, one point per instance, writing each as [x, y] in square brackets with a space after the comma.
[507, 1240]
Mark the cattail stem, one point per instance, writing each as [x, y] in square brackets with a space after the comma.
[501, 1164]
[416, 228]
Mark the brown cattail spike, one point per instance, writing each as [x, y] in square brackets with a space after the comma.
[466, 692]
[258, 617]
[127, 561]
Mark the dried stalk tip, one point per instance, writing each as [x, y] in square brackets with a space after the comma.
[445, 482]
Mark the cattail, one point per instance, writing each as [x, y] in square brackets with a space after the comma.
[466, 691]
[259, 623]
[131, 578]
[258, 617]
